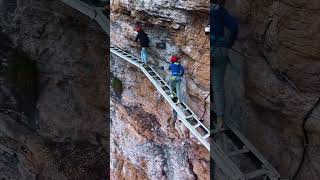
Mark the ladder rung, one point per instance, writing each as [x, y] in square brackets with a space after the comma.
[197, 125]
[271, 171]
[202, 131]
[179, 102]
[256, 173]
[188, 117]
[239, 151]
[193, 122]
[206, 136]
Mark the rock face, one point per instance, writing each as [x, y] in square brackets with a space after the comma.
[272, 87]
[67, 136]
[145, 142]
[275, 86]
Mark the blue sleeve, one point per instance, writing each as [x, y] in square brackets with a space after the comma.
[170, 66]
[137, 37]
[232, 24]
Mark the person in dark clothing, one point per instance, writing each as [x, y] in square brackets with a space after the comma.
[219, 20]
[142, 37]
[177, 72]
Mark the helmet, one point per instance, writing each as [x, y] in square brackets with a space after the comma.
[138, 27]
[174, 59]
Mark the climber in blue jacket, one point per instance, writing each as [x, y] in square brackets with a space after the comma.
[220, 43]
[177, 71]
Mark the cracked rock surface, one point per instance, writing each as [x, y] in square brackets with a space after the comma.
[276, 84]
[145, 143]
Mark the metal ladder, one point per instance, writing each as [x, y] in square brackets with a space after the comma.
[223, 160]
[241, 148]
[202, 133]
[187, 116]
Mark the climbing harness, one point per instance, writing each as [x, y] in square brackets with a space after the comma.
[174, 78]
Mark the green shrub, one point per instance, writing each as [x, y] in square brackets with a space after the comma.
[116, 85]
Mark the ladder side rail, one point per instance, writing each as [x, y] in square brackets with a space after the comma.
[124, 57]
[118, 54]
[225, 163]
[80, 6]
[102, 20]
[271, 172]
